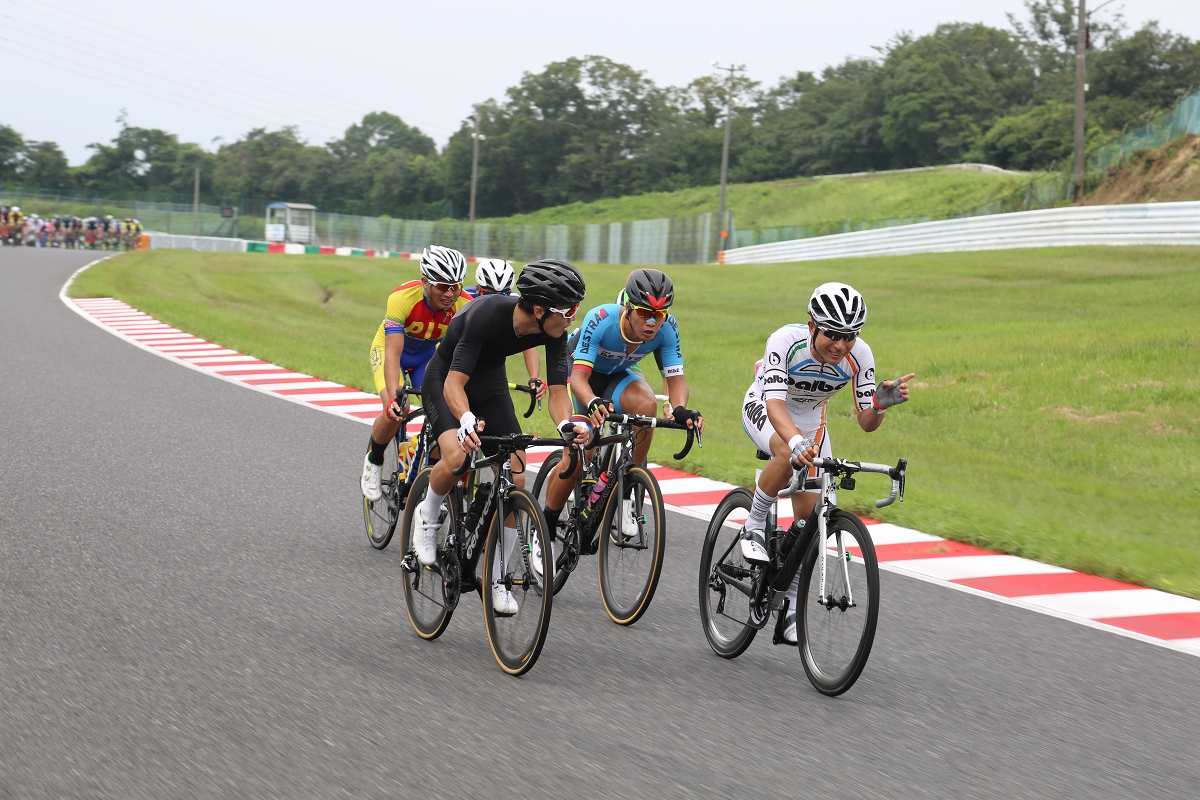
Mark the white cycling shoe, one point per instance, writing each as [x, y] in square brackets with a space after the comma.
[503, 602]
[629, 522]
[535, 555]
[754, 546]
[371, 479]
[789, 628]
[424, 537]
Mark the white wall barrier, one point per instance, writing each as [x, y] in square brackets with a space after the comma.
[1145, 223]
[204, 244]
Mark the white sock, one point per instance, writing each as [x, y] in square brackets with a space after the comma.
[432, 507]
[510, 541]
[758, 510]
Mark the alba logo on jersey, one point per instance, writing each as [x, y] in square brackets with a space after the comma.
[756, 414]
[816, 386]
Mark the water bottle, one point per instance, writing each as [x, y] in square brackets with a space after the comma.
[598, 489]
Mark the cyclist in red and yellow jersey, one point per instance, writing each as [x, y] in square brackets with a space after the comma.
[418, 313]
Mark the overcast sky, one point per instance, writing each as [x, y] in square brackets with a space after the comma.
[221, 67]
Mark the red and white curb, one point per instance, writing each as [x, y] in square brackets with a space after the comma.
[1160, 618]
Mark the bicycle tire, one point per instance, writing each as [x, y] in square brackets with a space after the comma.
[834, 666]
[627, 579]
[729, 634]
[517, 640]
[380, 517]
[424, 589]
[564, 560]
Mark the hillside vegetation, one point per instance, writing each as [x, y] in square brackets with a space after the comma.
[1162, 175]
[806, 201]
[1034, 428]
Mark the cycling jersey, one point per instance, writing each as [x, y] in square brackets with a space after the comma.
[477, 343]
[408, 313]
[599, 346]
[788, 372]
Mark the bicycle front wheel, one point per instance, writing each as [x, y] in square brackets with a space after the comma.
[517, 638]
[727, 579]
[566, 550]
[836, 629]
[632, 544]
[380, 517]
[430, 593]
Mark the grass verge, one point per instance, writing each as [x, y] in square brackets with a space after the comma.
[1055, 410]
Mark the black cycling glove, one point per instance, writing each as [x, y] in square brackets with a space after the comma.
[682, 415]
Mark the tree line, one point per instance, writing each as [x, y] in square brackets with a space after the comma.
[588, 128]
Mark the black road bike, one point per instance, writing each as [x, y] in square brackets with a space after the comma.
[404, 458]
[838, 600]
[616, 512]
[472, 555]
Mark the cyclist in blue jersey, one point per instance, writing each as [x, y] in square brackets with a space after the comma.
[607, 347]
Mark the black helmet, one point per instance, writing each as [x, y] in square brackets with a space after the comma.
[649, 288]
[551, 282]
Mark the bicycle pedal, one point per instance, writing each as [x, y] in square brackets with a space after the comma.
[409, 563]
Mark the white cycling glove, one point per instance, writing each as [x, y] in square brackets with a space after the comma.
[887, 396]
[799, 444]
[466, 426]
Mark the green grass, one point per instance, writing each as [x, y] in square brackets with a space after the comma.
[809, 202]
[1054, 415]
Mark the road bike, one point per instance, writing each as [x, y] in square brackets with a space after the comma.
[474, 552]
[616, 511]
[838, 599]
[404, 458]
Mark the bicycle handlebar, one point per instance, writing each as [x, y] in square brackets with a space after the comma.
[837, 466]
[529, 390]
[510, 443]
[693, 434]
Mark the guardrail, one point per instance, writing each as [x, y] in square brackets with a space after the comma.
[205, 244]
[1145, 223]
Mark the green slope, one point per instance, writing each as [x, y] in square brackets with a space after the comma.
[811, 202]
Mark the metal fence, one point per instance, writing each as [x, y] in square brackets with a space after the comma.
[678, 240]
[1047, 190]
[1181, 120]
[1144, 223]
[177, 218]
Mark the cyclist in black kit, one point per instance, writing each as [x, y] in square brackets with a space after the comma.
[466, 384]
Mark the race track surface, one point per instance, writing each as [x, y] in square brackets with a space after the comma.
[189, 608]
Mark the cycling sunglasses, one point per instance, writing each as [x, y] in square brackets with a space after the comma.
[568, 313]
[505, 292]
[445, 287]
[838, 336]
[658, 315]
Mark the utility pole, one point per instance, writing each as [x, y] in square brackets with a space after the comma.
[721, 221]
[196, 205]
[1080, 90]
[475, 137]
[1082, 44]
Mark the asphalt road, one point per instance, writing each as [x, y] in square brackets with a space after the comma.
[189, 608]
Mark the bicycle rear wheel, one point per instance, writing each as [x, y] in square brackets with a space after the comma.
[517, 639]
[566, 551]
[725, 579]
[430, 593]
[835, 636]
[380, 517]
[632, 543]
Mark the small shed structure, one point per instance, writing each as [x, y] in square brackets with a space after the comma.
[291, 222]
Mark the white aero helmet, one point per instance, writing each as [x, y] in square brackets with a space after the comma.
[837, 307]
[443, 265]
[16, 209]
[494, 275]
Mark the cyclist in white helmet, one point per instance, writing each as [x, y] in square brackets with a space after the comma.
[496, 276]
[418, 313]
[783, 411]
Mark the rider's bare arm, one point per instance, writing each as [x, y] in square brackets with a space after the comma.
[393, 349]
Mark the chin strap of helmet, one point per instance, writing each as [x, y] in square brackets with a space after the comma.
[621, 326]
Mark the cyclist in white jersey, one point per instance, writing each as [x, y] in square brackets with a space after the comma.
[784, 409]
